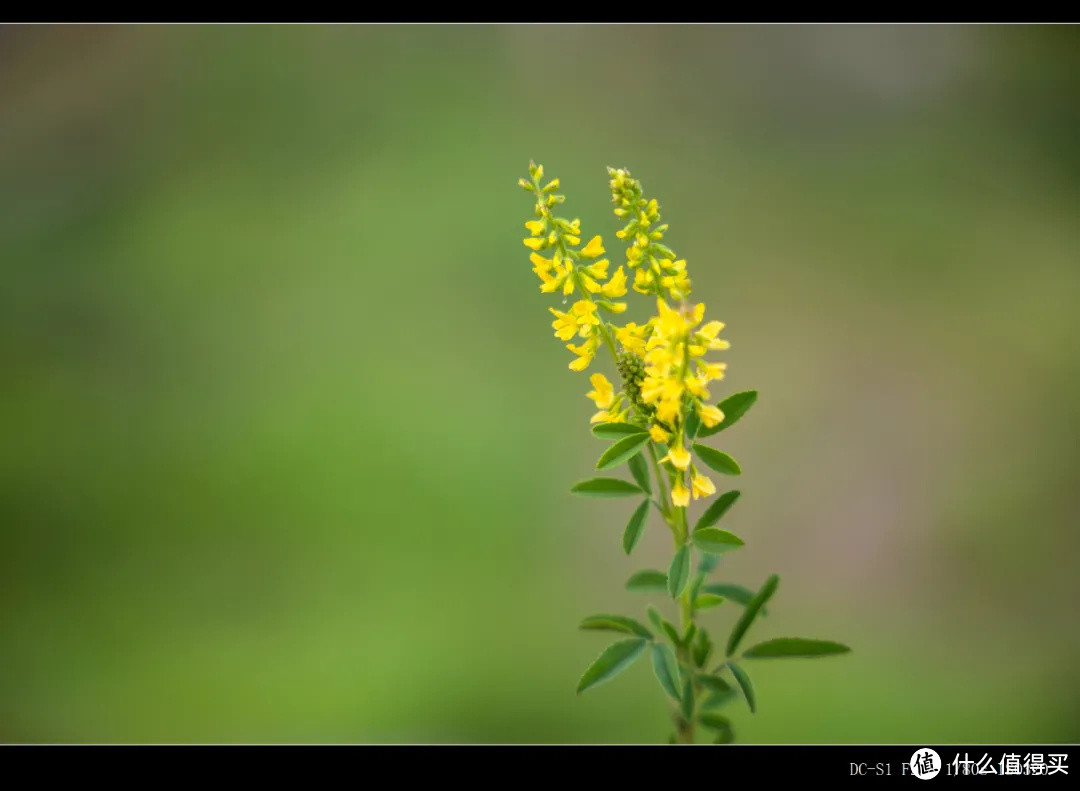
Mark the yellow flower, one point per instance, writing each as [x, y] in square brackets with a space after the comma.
[534, 243]
[584, 311]
[695, 385]
[603, 392]
[710, 415]
[680, 497]
[711, 371]
[658, 434]
[632, 337]
[708, 333]
[678, 456]
[667, 409]
[598, 269]
[565, 324]
[593, 249]
[615, 287]
[536, 227]
[590, 285]
[611, 414]
[701, 486]
[584, 352]
[541, 264]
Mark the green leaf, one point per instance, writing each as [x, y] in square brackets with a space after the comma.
[640, 470]
[725, 737]
[695, 585]
[621, 451]
[614, 660]
[718, 508]
[687, 700]
[702, 648]
[717, 459]
[654, 616]
[666, 668]
[679, 573]
[635, 527]
[616, 623]
[720, 724]
[668, 628]
[647, 581]
[693, 423]
[707, 600]
[689, 634]
[744, 682]
[714, 684]
[616, 430]
[737, 593]
[717, 722]
[706, 563]
[733, 407]
[794, 647]
[715, 541]
[605, 487]
[717, 699]
[751, 611]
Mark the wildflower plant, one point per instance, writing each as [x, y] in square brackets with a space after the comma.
[656, 415]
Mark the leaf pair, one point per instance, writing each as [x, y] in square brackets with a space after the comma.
[779, 648]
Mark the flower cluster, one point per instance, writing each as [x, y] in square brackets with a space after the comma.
[675, 382]
[655, 269]
[660, 362]
[566, 272]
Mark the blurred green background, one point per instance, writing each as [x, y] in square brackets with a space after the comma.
[287, 440]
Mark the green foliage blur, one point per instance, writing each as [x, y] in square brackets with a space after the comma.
[288, 442]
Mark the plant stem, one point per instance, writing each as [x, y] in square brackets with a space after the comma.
[660, 481]
[676, 519]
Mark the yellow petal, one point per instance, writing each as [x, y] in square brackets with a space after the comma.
[702, 486]
[710, 415]
[593, 249]
[680, 496]
[679, 456]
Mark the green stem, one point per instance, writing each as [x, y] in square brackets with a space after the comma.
[606, 334]
[660, 482]
[676, 519]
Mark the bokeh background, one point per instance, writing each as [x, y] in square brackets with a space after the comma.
[287, 438]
